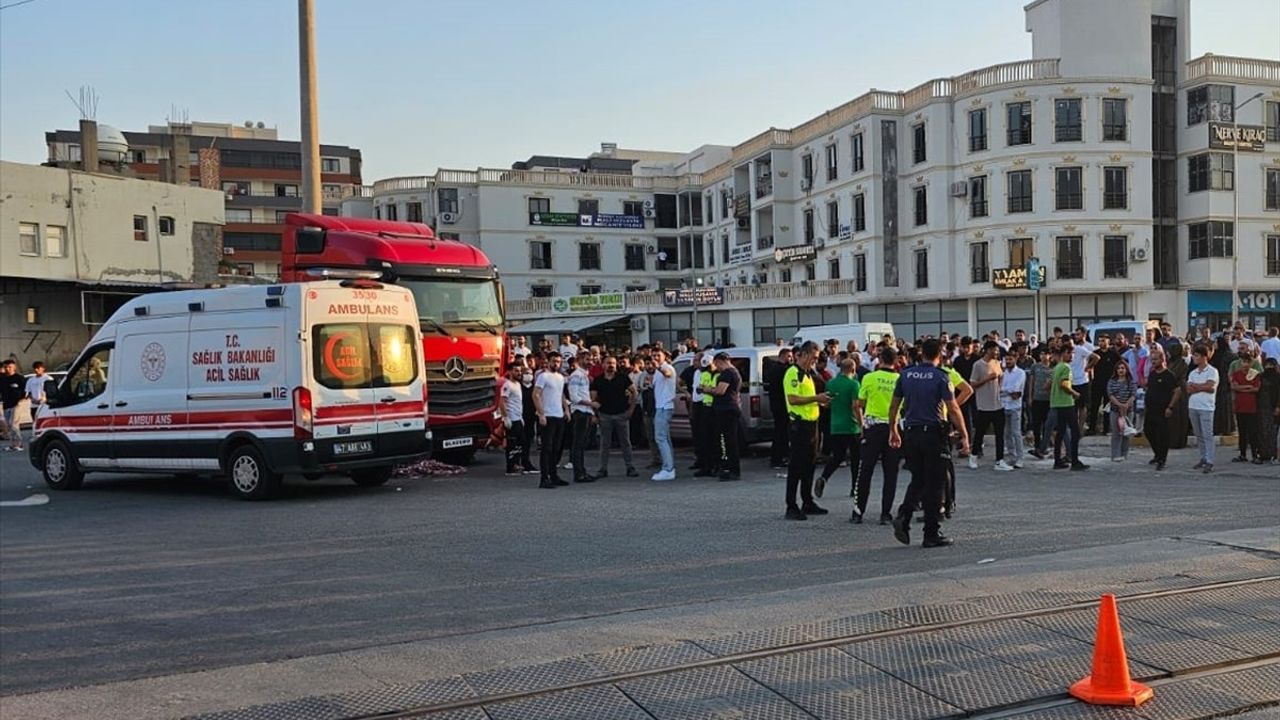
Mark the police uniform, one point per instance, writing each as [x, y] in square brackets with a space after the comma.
[924, 390]
[876, 393]
[803, 440]
[707, 442]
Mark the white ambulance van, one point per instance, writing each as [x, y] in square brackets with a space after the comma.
[251, 382]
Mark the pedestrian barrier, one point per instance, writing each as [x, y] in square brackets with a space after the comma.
[1109, 682]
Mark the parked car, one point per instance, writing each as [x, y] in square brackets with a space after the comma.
[750, 362]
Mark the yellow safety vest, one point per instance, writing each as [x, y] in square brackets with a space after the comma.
[797, 382]
[706, 381]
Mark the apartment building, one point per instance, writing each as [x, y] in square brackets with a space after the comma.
[1110, 157]
[260, 175]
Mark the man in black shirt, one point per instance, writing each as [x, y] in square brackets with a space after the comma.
[616, 401]
[1163, 392]
[12, 387]
[728, 415]
[774, 373]
[970, 353]
[1108, 358]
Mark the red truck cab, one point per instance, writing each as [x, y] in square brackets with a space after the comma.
[459, 299]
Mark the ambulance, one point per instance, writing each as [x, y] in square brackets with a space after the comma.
[252, 383]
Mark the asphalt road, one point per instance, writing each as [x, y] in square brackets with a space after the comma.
[138, 577]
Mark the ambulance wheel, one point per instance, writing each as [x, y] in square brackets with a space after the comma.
[372, 477]
[61, 471]
[249, 476]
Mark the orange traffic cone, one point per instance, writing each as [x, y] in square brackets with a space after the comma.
[1109, 683]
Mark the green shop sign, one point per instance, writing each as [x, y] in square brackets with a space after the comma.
[600, 302]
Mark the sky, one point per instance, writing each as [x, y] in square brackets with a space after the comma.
[423, 84]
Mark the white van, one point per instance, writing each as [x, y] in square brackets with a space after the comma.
[751, 364]
[1135, 329]
[250, 382]
[862, 333]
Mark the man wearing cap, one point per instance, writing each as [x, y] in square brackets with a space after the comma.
[728, 416]
[875, 395]
[804, 404]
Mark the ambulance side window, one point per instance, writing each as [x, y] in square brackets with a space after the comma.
[395, 362]
[341, 359]
[89, 379]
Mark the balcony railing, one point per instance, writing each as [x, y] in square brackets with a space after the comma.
[764, 188]
[1235, 68]
[825, 290]
[764, 242]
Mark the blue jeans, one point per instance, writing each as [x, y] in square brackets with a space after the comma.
[662, 436]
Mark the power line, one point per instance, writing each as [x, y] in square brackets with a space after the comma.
[15, 4]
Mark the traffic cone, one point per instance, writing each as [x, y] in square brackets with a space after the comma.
[1109, 682]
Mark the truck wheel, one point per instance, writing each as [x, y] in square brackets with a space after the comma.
[249, 476]
[372, 477]
[61, 471]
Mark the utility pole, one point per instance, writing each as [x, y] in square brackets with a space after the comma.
[307, 98]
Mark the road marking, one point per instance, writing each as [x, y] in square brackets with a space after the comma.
[29, 501]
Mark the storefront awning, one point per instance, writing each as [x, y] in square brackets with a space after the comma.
[571, 324]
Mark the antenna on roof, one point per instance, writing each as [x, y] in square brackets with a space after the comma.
[87, 104]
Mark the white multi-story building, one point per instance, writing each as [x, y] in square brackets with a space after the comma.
[1107, 157]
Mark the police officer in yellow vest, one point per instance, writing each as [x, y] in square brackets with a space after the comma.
[706, 442]
[804, 405]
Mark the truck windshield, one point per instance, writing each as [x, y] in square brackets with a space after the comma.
[456, 301]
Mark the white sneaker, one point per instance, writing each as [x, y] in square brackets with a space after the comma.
[1003, 466]
[1018, 465]
[973, 463]
[1117, 459]
[664, 475]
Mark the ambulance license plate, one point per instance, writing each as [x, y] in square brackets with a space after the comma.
[455, 443]
[353, 448]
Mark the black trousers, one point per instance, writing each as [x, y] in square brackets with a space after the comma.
[706, 437]
[1097, 393]
[778, 453]
[930, 450]
[728, 427]
[1247, 430]
[515, 446]
[581, 429]
[875, 448]
[989, 419]
[842, 446]
[530, 425]
[1068, 421]
[1155, 427]
[552, 439]
[803, 441]
[1039, 411]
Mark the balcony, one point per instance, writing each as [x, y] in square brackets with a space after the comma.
[274, 202]
[827, 291]
[764, 243]
[764, 187]
[1233, 68]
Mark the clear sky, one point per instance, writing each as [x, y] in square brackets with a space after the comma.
[421, 84]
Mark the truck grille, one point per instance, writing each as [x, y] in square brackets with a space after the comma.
[475, 391]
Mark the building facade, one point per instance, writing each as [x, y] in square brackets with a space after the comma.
[1110, 157]
[77, 245]
[259, 174]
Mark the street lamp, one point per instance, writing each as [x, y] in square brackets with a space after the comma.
[1235, 209]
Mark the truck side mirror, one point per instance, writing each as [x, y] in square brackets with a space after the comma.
[309, 240]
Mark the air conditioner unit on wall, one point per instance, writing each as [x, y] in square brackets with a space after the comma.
[228, 251]
[959, 189]
[651, 249]
[744, 223]
[1138, 254]
[448, 218]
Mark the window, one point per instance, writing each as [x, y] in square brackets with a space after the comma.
[859, 212]
[55, 241]
[1271, 117]
[89, 379]
[540, 291]
[1213, 239]
[33, 314]
[784, 275]
[833, 220]
[588, 289]
[450, 236]
[806, 171]
[856, 142]
[711, 251]
[922, 268]
[833, 269]
[810, 272]
[29, 238]
[237, 188]
[1021, 250]
[635, 288]
[262, 159]
[391, 211]
[634, 257]
[708, 215]
[413, 211]
[1020, 191]
[860, 272]
[1018, 116]
[331, 192]
[281, 215]
[330, 165]
[978, 196]
[918, 150]
[588, 256]
[539, 205]
[979, 263]
[1115, 188]
[1067, 124]
[251, 241]
[1070, 260]
[724, 204]
[1069, 189]
[239, 215]
[1273, 255]
[139, 156]
[588, 207]
[286, 190]
[808, 225]
[833, 162]
[1115, 119]
[139, 229]
[1115, 256]
[540, 255]
[1210, 102]
[921, 194]
[1210, 171]
[635, 208]
[978, 130]
[1273, 189]
[166, 225]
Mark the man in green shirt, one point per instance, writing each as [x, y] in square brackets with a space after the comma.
[1062, 401]
[845, 430]
[872, 411]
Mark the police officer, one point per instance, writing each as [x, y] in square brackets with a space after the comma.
[926, 389]
[804, 405]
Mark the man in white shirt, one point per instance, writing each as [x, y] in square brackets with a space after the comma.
[1083, 359]
[511, 408]
[582, 415]
[1271, 346]
[548, 396]
[568, 348]
[34, 389]
[521, 350]
[1202, 388]
[664, 401]
[1241, 339]
[1012, 389]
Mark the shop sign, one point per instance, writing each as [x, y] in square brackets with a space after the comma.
[687, 297]
[846, 232]
[553, 218]
[600, 302]
[1244, 138]
[795, 253]
[1015, 278]
[1219, 301]
[622, 222]
[740, 254]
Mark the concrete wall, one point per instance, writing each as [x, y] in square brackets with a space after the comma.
[58, 335]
